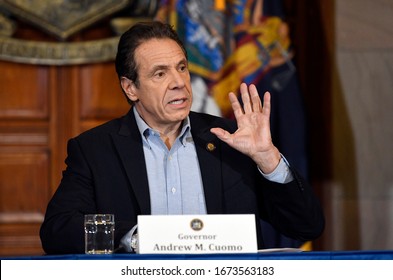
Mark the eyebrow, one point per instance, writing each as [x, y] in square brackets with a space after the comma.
[165, 67]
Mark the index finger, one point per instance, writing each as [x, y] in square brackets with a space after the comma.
[236, 107]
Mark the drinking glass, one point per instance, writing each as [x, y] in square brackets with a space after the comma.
[99, 233]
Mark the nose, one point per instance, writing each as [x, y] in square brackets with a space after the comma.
[178, 79]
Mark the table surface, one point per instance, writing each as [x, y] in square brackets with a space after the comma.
[309, 255]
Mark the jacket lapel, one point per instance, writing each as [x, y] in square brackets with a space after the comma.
[208, 148]
[129, 147]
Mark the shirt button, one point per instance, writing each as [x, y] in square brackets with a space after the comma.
[173, 190]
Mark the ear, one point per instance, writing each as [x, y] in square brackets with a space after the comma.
[129, 88]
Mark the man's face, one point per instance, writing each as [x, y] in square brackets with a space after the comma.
[164, 94]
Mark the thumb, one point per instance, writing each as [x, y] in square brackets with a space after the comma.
[220, 133]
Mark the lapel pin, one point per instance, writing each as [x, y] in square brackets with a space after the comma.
[210, 147]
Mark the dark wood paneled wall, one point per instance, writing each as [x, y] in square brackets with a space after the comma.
[41, 107]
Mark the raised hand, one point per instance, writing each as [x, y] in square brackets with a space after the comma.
[253, 136]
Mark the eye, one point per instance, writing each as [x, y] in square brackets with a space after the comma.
[182, 67]
[159, 74]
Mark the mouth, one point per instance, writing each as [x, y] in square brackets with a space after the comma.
[177, 101]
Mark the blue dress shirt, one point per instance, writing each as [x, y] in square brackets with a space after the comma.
[175, 181]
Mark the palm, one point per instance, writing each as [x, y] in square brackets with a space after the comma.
[253, 137]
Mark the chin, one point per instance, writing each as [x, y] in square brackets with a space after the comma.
[182, 116]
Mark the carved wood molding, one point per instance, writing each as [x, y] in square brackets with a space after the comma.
[52, 53]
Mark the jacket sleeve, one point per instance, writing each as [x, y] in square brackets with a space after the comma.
[62, 231]
[293, 209]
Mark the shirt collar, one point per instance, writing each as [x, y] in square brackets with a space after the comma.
[146, 130]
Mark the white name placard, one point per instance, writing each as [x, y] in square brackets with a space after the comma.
[193, 234]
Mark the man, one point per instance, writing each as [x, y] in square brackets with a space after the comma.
[161, 158]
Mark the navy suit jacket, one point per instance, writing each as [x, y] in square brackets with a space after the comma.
[106, 173]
